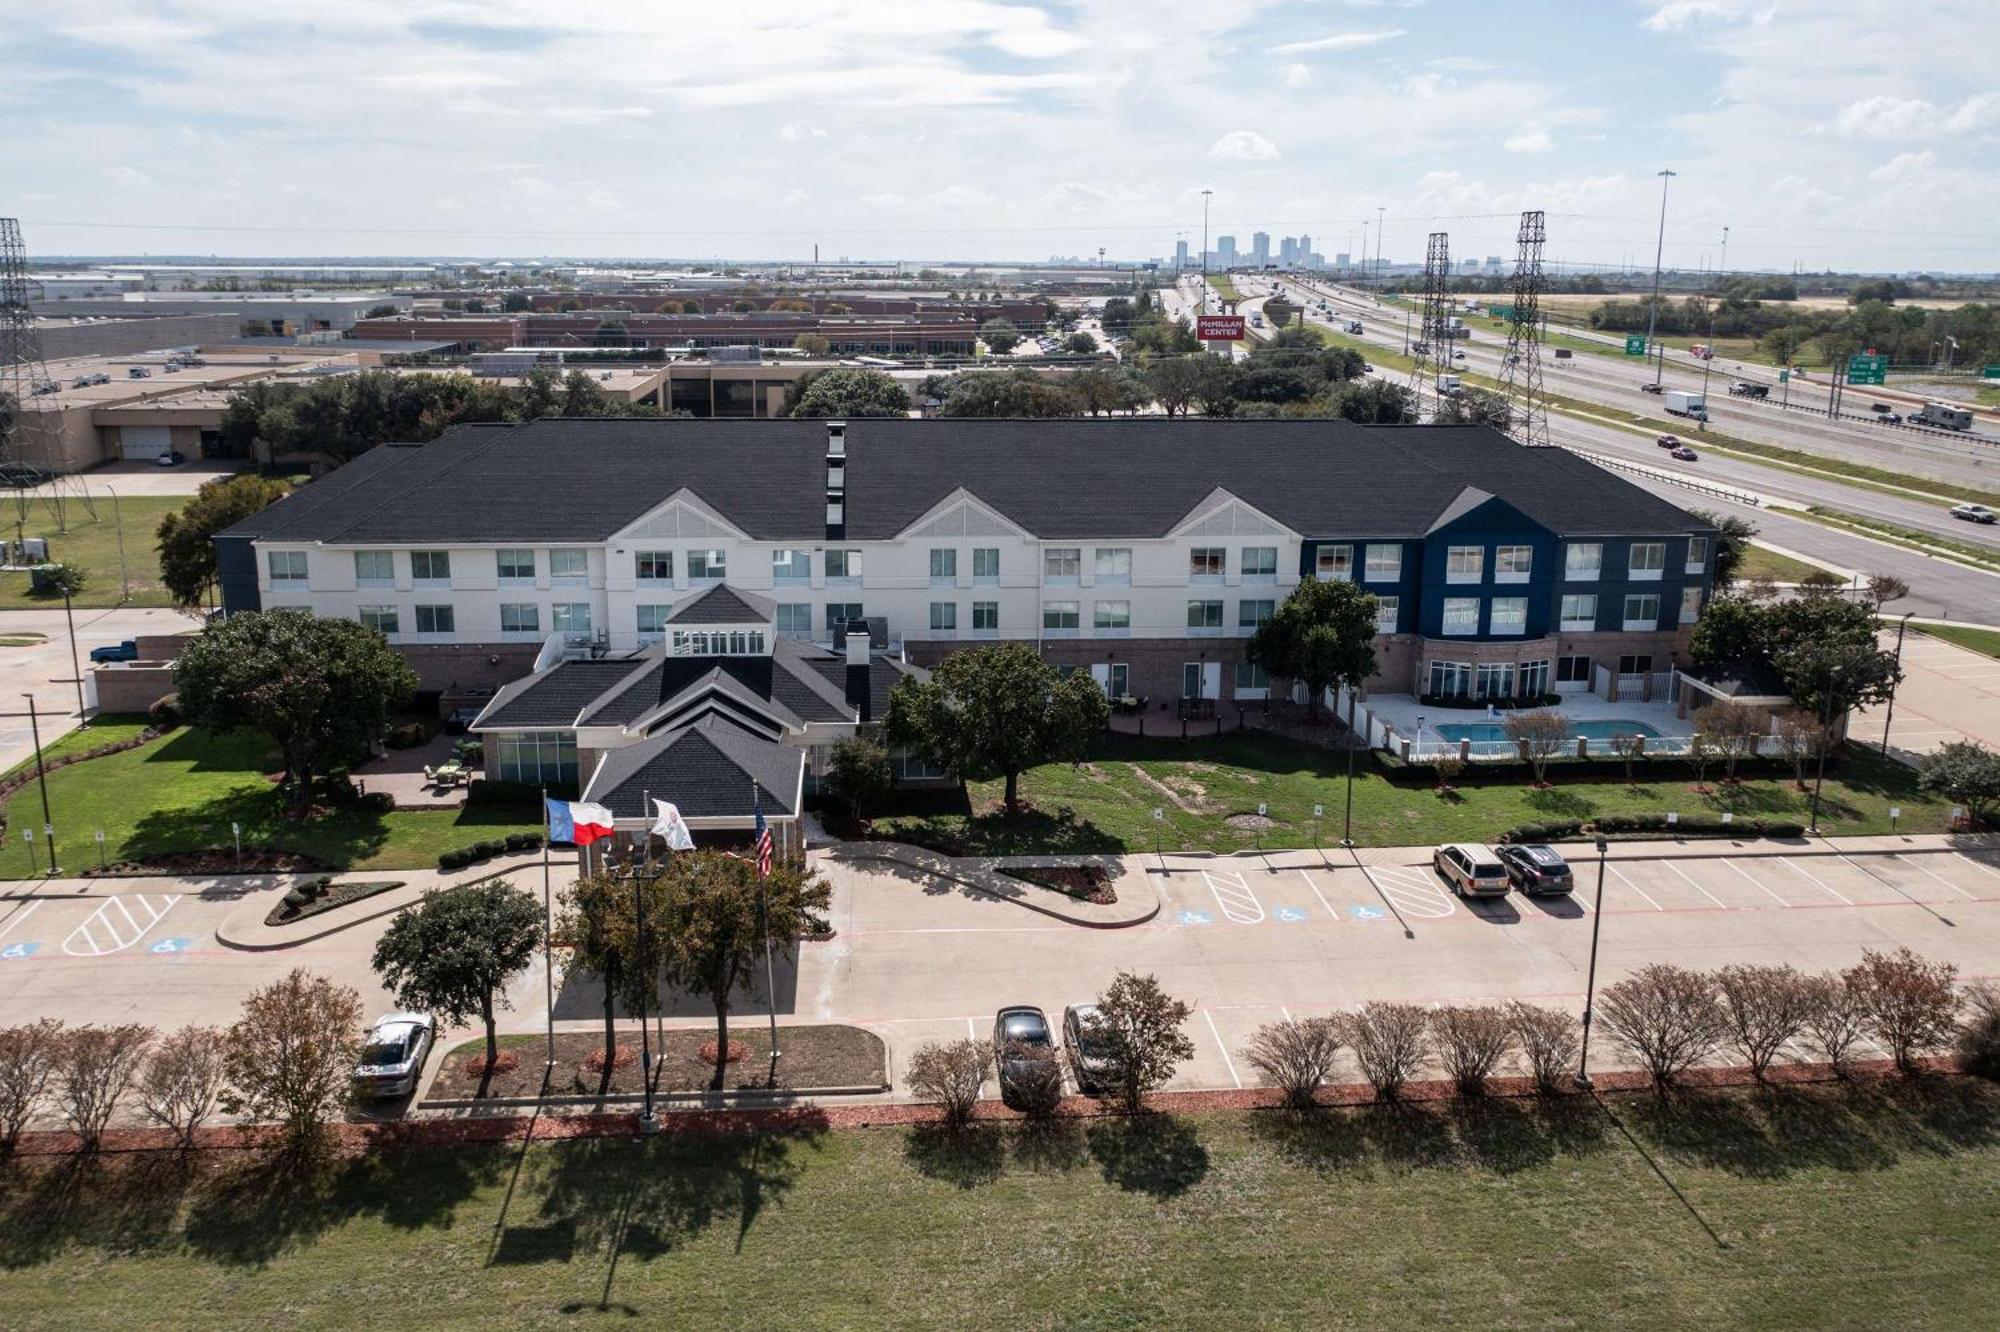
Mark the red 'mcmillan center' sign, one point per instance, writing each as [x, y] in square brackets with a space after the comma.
[1219, 328]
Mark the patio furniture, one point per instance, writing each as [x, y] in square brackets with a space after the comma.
[448, 774]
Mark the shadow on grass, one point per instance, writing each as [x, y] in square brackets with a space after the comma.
[964, 1158]
[339, 837]
[1050, 1146]
[1154, 1154]
[1502, 1136]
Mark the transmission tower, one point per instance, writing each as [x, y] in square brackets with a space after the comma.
[29, 432]
[1528, 408]
[1429, 353]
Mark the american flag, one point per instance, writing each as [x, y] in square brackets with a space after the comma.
[763, 843]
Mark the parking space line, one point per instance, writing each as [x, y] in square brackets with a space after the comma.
[1979, 864]
[1321, 896]
[1753, 879]
[1842, 898]
[20, 916]
[1925, 869]
[1228, 1063]
[1233, 895]
[1696, 886]
[1636, 888]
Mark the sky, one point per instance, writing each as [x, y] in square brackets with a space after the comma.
[1848, 134]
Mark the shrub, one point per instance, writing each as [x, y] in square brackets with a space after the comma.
[951, 1076]
[1666, 1017]
[1036, 1079]
[297, 900]
[1470, 1041]
[1547, 1039]
[1835, 1020]
[1388, 1043]
[1910, 1003]
[377, 802]
[94, 1070]
[486, 791]
[27, 1064]
[521, 841]
[1542, 832]
[1965, 773]
[1979, 1035]
[165, 714]
[1764, 1009]
[183, 1080]
[1140, 1029]
[287, 1057]
[451, 860]
[407, 736]
[1295, 1057]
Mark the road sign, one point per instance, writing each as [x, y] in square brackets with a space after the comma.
[1219, 328]
[1635, 344]
[1990, 372]
[1784, 376]
[1867, 369]
[1503, 312]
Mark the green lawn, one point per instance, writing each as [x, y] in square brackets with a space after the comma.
[1222, 283]
[1111, 804]
[1814, 1209]
[92, 541]
[1783, 568]
[182, 791]
[1979, 640]
[107, 729]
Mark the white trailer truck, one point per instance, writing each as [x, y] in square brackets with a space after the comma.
[1690, 405]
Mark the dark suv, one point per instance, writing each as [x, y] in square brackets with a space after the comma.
[1537, 869]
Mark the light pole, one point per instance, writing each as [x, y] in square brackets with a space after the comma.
[1659, 250]
[42, 779]
[647, 1123]
[75, 666]
[1204, 249]
[1347, 820]
[1378, 245]
[1889, 713]
[118, 521]
[1590, 982]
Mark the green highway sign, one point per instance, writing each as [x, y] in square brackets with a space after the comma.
[1503, 312]
[1635, 344]
[1784, 376]
[1990, 372]
[1865, 369]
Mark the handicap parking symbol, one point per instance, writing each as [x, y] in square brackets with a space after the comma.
[1366, 912]
[18, 950]
[1290, 915]
[164, 947]
[1196, 918]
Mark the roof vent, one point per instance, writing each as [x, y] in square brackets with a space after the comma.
[836, 439]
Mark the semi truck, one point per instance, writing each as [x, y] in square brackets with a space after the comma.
[1942, 416]
[1448, 386]
[1690, 405]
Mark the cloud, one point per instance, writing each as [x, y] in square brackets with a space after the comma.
[1533, 139]
[533, 187]
[130, 178]
[1298, 74]
[1244, 146]
[1678, 14]
[1905, 167]
[1338, 41]
[1914, 118]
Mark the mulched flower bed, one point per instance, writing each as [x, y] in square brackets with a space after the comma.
[327, 898]
[1086, 883]
[812, 1056]
[215, 860]
[504, 1062]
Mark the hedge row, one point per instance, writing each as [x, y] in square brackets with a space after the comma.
[1690, 825]
[1664, 767]
[478, 851]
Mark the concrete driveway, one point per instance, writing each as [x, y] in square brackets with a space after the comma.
[45, 670]
[144, 478]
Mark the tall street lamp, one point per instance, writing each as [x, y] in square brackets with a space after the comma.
[1889, 713]
[1590, 982]
[1659, 249]
[42, 779]
[1204, 249]
[75, 665]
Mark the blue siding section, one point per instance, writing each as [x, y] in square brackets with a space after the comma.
[236, 574]
[1405, 587]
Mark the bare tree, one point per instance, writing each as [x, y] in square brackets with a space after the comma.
[1885, 587]
[1800, 738]
[1735, 727]
[1758, 586]
[1447, 769]
[27, 1064]
[289, 1056]
[1138, 1026]
[1666, 1017]
[1836, 1021]
[1547, 1039]
[183, 1080]
[1296, 1057]
[1629, 749]
[950, 1074]
[1911, 1004]
[1979, 1034]
[1765, 1009]
[1470, 1042]
[1540, 736]
[1388, 1041]
[1701, 753]
[1035, 1072]
[95, 1070]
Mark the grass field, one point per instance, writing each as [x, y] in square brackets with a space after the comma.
[106, 729]
[182, 791]
[1818, 1209]
[1986, 641]
[1222, 283]
[93, 543]
[1783, 568]
[1200, 784]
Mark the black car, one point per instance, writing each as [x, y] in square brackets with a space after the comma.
[1537, 869]
[1024, 1049]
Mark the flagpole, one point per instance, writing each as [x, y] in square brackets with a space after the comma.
[548, 939]
[764, 907]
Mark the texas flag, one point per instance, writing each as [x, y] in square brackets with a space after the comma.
[574, 822]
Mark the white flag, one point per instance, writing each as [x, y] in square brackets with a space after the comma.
[673, 827]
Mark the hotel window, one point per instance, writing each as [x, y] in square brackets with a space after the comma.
[1250, 614]
[1636, 664]
[838, 613]
[516, 618]
[430, 566]
[1690, 604]
[709, 564]
[1573, 670]
[569, 568]
[1387, 610]
[1461, 615]
[1062, 564]
[1493, 679]
[1204, 615]
[843, 564]
[434, 620]
[1208, 562]
[515, 566]
[1582, 563]
[791, 566]
[795, 618]
[1509, 616]
[986, 617]
[944, 616]
[536, 758]
[1579, 610]
[1513, 564]
[1649, 560]
[1697, 556]
[1464, 564]
[944, 564]
[1112, 615]
[1334, 564]
[570, 617]
[1251, 678]
[1451, 679]
[1260, 563]
[1642, 612]
[375, 568]
[653, 620]
[1534, 679]
[654, 566]
[382, 619]
[1114, 564]
[1060, 615]
[986, 563]
[287, 566]
[1385, 563]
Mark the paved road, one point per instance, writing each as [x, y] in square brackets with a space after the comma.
[44, 669]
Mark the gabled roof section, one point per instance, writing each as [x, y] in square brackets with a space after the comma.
[557, 698]
[963, 514]
[1221, 514]
[708, 768]
[682, 516]
[1493, 513]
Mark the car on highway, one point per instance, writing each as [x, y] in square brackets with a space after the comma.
[1089, 1049]
[1471, 870]
[1743, 388]
[1564, 353]
[393, 1054]
[1684, 454]
[125, 651]
[1650, 387]
[1892, 418]
[1535, 869]
[1023, 1047]
[1668, 441]
[1972, 513]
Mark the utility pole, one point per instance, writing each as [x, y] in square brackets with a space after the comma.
[1659, 249]
[1378, 245]
[1204, 249]
[1709, 360]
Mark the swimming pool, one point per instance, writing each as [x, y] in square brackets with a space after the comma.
[1489, 732]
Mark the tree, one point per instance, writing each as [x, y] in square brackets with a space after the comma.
[999, 335]
[452, 955]
[62, 580]
[28, 1056]
[1321, 635]
[183, 1080]
[1800, 738]
[1979, 1035]
[1964, 772]
[846, 391]
[1375, 402]
[1884, 588]
[1835, 1020]
[858, 772]
[94, 1069]
[1173, 382]
[1547, 1039]
[1702, 748]
[950, 1074]
[1540, 736]
[1476, 407]
[1666, 1017]
[1764, 1008]
[598, 925]
[1017, 393]
[288, 1057]
[812, 344]
[1734, 728]
[996, 711]
[1470, 1040]
[1783, 343]
[1911, 1005]
[515, 301]
[1389, 1043]
[1822, 583]
[1296, 1057]
[1080, 344]
[1137, 1028]
[610, 333]
[321, 688]
[716, 915]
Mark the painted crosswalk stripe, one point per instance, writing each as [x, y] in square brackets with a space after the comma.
[118, 935]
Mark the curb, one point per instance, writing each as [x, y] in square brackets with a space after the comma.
[224, 930]
[638, 1098]
[947, 874]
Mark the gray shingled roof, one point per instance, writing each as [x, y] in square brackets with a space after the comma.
[723, 604]
[557, 480]
[705, 768]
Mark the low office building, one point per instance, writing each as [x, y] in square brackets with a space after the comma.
[1145, 551]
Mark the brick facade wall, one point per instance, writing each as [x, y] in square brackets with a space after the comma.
[454, 666]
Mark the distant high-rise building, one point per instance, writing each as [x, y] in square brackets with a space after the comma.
[1492, 263]
[1288, 251]
[1180, 254]
[1343, 260]
[1225, 251]
[1305, 248]
[1260, 248]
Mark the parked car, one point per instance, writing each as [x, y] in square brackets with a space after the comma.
[392, 1056]
[171, 458]
[1471, 870]
[1537, 869]
[1668, 441]
[1972, 513]
[1018, 1033]
[1684, 454]
[1089, 1053]
[125, 651]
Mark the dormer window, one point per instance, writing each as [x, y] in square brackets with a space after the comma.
[719, 642]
